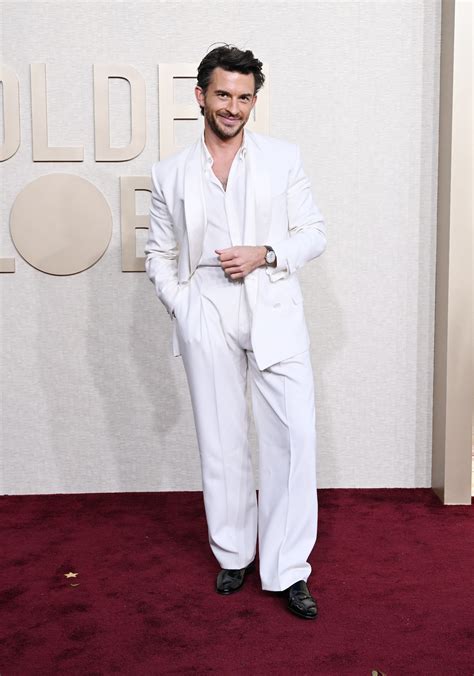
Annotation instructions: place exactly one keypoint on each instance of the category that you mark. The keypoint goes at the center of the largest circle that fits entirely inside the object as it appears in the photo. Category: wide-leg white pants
(213, 329)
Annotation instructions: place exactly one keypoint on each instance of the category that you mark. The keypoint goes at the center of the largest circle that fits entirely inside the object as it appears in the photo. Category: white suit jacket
(279, 211)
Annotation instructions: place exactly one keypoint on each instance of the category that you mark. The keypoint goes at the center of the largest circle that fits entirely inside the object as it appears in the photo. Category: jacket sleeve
(307, 230)
(162, 249)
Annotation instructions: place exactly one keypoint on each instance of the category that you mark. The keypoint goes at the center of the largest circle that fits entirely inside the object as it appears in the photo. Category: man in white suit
(232, 219)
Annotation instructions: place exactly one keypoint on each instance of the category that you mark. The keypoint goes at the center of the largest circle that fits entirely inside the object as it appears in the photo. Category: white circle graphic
(61, 224)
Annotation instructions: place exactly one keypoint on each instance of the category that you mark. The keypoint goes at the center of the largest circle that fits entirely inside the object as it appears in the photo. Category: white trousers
(213, 329)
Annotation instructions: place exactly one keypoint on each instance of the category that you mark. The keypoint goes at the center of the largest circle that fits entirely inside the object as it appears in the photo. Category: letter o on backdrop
(61, 224)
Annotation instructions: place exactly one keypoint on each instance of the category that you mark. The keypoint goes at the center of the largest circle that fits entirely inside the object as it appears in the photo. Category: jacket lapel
(258, 195)
(194, 205)
(257, 209)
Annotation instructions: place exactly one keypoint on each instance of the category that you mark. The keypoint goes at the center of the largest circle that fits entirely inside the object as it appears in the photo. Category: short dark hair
(232, 59)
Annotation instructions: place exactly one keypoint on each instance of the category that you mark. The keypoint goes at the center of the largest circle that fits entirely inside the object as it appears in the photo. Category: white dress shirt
(225, 209)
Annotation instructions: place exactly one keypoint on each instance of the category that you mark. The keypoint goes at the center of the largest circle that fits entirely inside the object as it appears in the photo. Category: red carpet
(392, 573)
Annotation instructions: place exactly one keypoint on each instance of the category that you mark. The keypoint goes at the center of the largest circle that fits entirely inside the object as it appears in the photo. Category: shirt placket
(231, 196)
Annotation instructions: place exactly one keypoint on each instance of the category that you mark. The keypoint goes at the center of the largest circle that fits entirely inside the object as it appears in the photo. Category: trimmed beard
(220, 133)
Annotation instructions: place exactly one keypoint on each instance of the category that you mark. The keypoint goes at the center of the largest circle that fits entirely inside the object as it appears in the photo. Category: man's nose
(233, 106)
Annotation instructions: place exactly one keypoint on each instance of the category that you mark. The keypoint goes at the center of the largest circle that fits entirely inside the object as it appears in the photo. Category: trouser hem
(285, 583)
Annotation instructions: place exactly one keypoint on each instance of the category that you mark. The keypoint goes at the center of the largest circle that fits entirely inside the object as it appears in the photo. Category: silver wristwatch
(270, 256)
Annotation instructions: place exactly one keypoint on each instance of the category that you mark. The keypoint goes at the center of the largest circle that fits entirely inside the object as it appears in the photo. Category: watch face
(270, 257)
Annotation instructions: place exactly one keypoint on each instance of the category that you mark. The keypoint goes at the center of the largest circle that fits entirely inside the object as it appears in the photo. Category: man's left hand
(239, 261)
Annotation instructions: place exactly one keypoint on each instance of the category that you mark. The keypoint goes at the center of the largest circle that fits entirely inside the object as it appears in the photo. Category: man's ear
(199, 94)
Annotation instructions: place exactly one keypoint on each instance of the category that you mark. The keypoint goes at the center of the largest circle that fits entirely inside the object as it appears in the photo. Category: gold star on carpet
(68, 575)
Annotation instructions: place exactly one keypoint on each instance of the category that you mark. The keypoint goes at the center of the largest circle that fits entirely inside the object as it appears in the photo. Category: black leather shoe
(300, 601)
(229, 581)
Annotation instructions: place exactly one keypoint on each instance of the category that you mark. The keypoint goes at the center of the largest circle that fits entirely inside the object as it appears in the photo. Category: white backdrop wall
(91, 398)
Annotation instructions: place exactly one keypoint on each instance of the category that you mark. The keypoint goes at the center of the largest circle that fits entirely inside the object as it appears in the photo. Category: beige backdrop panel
(91, 398)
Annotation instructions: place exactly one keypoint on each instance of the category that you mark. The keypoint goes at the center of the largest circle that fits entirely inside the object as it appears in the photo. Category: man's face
(227, 102)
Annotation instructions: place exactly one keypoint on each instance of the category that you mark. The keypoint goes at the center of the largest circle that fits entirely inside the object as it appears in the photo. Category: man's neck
(222, 147)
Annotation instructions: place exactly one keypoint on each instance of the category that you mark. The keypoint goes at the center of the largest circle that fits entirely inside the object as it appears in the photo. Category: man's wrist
(270, 256)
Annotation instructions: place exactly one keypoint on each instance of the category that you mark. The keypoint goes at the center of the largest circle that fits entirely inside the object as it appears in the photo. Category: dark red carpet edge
(392, 573)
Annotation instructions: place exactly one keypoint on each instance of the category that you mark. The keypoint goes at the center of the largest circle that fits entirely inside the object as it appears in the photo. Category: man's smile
(229, 120)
